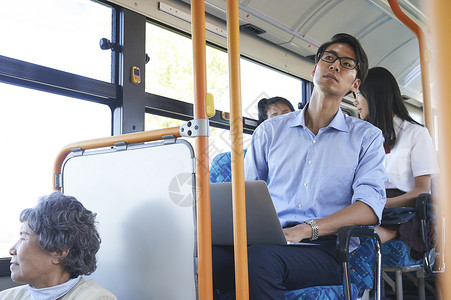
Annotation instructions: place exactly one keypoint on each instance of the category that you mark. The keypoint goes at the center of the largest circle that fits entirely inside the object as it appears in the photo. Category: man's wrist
(315, 229)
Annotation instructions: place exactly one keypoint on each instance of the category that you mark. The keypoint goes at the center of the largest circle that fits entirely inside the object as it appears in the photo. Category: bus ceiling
(301, 29)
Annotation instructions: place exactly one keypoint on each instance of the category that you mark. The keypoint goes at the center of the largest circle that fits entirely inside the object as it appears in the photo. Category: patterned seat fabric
(395, 253)
(332, 292)
(221, 167)
(362, 262)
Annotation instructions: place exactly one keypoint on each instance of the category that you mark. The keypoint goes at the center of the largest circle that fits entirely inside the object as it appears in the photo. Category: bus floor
(410, 290)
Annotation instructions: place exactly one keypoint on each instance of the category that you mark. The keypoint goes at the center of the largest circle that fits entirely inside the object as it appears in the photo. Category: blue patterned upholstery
(395, 253)
(332, 292)
(221, 167)
(362, 263)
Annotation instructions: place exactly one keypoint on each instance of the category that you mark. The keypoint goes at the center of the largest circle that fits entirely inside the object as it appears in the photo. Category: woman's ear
(58, 255)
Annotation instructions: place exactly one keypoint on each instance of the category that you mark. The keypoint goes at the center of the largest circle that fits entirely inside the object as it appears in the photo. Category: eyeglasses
(345, 62)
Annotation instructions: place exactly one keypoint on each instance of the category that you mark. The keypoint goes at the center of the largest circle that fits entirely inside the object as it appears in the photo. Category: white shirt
(413, 155)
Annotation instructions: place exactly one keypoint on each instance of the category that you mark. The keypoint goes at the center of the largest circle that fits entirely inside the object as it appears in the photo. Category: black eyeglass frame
(320, 56)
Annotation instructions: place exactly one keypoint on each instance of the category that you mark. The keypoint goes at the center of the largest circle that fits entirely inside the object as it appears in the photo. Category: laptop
(263, 225)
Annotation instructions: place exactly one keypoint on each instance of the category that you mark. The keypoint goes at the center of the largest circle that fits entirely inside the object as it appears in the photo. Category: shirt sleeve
(255, 162)
(423, 156)
(370, 176)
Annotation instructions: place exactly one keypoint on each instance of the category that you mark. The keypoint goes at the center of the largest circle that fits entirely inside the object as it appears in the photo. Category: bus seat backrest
(221, 167)
(144, 200)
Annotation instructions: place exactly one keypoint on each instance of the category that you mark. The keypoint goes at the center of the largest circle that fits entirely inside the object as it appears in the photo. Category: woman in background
(411, 158)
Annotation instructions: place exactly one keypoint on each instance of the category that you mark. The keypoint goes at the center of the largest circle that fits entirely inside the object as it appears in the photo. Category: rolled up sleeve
(370, 176)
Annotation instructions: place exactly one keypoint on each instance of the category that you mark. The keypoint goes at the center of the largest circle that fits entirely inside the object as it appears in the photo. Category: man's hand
(298, 233)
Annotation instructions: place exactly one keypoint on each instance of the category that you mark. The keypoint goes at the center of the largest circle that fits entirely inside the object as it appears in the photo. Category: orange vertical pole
(236, 131)
(424, 57)
(441, 23)
(201, 150)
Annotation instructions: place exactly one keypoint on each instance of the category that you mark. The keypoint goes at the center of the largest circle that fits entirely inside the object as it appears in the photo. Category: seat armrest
(421, 205)
(344, 237)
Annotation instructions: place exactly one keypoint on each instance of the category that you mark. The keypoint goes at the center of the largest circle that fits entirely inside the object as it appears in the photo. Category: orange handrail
(442, 78)
(425, 82)
(130, 138)
(236, 132)
(201, 148)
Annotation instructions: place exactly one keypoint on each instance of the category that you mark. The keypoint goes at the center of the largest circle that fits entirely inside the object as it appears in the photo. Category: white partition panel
(143, 197)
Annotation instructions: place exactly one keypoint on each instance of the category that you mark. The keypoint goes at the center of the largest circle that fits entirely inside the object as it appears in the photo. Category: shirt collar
(338, 122)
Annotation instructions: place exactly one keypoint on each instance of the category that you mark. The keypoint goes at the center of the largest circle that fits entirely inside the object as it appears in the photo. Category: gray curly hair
(62, 223)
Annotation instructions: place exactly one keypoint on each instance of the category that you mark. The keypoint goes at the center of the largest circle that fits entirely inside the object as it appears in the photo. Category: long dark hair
(384, 99)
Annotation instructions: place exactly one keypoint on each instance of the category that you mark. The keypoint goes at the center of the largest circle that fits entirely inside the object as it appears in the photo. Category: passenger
(272, 107)
(58, 243)
(324, 171)
(411, 159)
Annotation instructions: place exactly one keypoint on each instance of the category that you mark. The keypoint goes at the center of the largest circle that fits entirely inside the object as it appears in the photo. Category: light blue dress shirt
(310, 177)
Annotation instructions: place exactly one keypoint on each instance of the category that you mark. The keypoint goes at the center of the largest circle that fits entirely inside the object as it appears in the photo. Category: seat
(138, 189)
(361, 268)
(398, 261)
(221, 167)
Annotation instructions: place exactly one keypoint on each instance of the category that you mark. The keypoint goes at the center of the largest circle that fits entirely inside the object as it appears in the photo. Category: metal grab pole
(425, 81)
(201, 149)
(236, 132)
(442, 78)
(130, 138)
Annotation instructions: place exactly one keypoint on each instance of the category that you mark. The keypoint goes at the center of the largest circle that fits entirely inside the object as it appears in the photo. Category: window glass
(35, 127)
(259, 82)
(58, 34)
(220, 141)
(170, 73)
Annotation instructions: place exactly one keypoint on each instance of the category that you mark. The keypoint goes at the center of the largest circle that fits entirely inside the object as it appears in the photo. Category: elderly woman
(58, 243)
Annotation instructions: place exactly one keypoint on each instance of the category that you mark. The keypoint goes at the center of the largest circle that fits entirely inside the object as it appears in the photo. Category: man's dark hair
(265, 103)
(360, 55)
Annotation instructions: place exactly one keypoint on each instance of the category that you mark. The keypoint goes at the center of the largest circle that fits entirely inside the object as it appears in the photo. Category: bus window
(169, 74)
(35, 126)
(62, 35)
(219, 141)
(153, 122)
(258, 82)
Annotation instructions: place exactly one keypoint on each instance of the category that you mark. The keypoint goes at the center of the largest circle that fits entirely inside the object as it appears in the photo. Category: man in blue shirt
(324, 171)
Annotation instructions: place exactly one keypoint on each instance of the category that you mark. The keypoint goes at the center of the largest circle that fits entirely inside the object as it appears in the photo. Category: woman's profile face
(277, 109)
(362, 105)
(30, 263)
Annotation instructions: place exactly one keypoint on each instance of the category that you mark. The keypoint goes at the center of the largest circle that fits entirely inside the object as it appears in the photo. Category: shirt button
(305, 183)
(314, 141)
(309, 162)
(299, 205)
